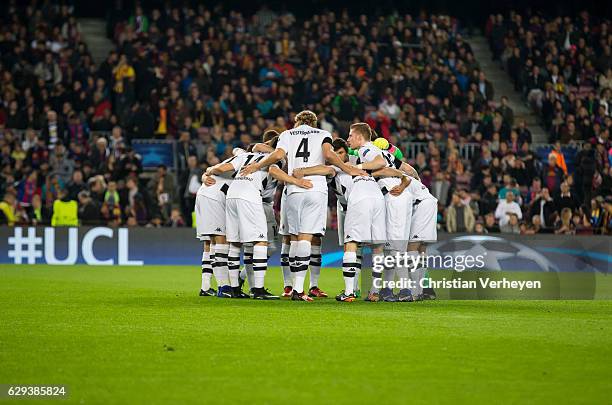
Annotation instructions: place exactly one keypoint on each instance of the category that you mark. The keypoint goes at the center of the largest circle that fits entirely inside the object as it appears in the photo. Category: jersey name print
(303, 147)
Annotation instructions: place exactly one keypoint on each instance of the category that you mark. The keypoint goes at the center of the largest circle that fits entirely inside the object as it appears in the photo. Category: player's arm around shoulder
(280, 175)
(388, 172)
(399, 189)
(319, 170)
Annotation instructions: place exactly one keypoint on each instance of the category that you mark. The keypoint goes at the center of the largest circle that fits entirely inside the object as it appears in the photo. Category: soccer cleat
(345, 298)
(296, 296)
(263, 294)
(405, 295)
(224, 292)
(386, 294)
(287, 292)
(208, 293)
(429, 293)
(357, 293)
(237, 293)
(418, 297)
(372, 297)
(316, 292)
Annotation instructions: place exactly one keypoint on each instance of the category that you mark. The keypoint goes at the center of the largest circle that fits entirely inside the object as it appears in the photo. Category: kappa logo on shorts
(218, 230)
(415, 237)
(348, 236)
(261, 235)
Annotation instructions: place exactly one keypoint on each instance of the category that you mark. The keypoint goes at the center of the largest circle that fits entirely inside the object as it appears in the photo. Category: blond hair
(364, 129)
(306, 117)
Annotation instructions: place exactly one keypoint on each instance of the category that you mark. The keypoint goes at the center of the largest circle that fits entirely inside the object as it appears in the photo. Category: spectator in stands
(65, 210)
(506, 207)
(89, 209)
(512, 225)
(459, 216)
(8, 214)
(564, 224)
(543, 207)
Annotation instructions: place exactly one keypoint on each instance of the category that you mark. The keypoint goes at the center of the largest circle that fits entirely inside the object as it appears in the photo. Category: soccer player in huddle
(365, 212)
(210, 226)
(246, 219)
(398, 206)
(304, 146)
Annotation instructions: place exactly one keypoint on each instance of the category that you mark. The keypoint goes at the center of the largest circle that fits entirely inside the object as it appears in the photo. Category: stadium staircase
(94, 34)
(503, 87)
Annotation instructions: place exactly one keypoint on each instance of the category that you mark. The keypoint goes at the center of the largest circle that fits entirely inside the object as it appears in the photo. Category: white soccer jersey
(249, 188)
(368, 152)
(355, 189)
(218, 190)
(303, 146)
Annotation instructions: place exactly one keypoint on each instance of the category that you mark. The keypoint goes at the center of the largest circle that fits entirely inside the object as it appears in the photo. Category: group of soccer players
(381, 203)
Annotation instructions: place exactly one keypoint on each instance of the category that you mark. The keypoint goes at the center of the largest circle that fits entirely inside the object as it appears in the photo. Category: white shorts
(397, 220)
(307, 213)
(283, 228)
(365, 222)
(246, 221)
(210, 216)
(340, 215)
(424, 219)
(271, 222)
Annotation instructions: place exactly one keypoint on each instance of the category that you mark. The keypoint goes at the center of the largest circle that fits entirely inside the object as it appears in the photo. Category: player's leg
(298, 206)
(395, 224)
(358, 271)
(377, 271)
(246, 274)
(229, 229)
(220, 270)
(260, 266)
(423, 231)
(283, 230)
(349, 268)
(315, 269)
(207, 272)
(286, 266)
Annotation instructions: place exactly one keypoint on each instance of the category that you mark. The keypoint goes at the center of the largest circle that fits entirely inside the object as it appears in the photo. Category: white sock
(220, 264)
(357, 270)
(206, 271)
(287, 276)
(389, 272)
(376, 274)
(233, 265)
(315, 265)
(349, 267)
(248, 265)
(300, 266)
(260, 265)
(416, 272)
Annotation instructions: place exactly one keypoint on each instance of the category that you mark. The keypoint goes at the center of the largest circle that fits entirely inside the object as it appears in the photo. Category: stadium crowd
(213, 80)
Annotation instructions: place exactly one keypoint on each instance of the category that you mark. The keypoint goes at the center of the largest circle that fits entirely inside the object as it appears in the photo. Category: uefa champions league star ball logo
(498, 254)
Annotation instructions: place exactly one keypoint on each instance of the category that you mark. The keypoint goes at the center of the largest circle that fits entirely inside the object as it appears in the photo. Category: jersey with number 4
(304, 148)
(251, 187)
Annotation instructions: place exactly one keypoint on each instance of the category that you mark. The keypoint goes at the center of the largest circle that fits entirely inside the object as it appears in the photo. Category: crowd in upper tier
(213, 79)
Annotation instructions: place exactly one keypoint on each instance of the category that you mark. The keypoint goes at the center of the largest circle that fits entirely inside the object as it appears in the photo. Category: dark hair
(269, 134)
(340, 143)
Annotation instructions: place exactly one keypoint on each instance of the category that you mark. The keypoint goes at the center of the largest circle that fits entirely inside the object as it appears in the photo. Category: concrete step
(503, 86)
(94, 34)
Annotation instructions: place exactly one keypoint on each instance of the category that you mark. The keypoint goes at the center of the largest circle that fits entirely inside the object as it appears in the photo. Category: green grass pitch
(142, 335)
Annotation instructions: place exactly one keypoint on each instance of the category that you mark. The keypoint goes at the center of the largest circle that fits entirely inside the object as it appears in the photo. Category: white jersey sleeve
(218, 190)
(418, 190)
